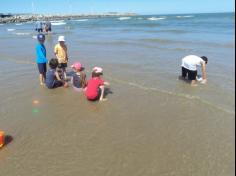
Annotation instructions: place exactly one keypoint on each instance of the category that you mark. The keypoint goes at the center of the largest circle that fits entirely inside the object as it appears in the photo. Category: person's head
(61, 40)
(53, 63)
(77, 66)
(41, 38)
(205, 59)
(97, 72)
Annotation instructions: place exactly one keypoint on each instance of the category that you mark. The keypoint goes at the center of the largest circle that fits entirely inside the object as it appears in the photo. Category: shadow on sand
(8, 139)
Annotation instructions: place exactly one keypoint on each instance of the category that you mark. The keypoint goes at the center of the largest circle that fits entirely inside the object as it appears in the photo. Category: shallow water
(152, 123)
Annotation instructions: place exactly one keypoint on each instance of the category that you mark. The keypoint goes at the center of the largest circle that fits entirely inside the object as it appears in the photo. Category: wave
(10, 30)
(81, 20)
(19, 24)
(186, 16)
(157, 40)
(175, 31)
(58, 23)
(22, 33)
(156, 19)
(124, 18)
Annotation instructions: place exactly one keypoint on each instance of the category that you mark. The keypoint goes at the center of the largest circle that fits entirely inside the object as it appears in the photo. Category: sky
(101, 6)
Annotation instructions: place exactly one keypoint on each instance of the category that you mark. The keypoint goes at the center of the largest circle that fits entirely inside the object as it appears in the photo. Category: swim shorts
(190, 73)
(42, 67)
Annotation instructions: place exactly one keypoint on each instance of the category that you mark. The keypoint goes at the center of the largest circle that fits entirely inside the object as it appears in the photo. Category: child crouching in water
(96, 86)
(78, 78)
(53, 79)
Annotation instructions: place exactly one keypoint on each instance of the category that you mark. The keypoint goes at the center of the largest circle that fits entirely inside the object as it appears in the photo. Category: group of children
(55, 77)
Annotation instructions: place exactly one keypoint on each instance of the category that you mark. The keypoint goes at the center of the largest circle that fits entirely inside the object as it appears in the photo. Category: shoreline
(32, 18)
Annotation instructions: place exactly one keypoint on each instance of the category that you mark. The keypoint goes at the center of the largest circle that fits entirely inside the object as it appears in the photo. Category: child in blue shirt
(41, 59)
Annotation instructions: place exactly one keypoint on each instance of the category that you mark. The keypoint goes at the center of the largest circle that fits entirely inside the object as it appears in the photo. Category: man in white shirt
(189, 68)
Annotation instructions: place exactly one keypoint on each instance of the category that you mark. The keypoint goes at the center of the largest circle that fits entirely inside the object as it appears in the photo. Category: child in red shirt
(96, 86)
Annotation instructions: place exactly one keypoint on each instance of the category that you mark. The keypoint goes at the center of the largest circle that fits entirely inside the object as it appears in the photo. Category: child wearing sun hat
(61, 54)
(78, 78)
(96, 85)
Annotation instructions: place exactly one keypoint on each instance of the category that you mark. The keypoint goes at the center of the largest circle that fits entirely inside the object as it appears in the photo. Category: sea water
(152, 124)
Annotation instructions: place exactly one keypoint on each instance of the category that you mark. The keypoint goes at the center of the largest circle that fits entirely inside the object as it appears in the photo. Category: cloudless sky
(99, 6)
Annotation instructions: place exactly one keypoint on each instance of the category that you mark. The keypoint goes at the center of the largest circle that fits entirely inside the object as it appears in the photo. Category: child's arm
(58, 77)
(72, 80)
(106, 83)
(66, 51)
(55, 51)
(204, 75)
(102, 94)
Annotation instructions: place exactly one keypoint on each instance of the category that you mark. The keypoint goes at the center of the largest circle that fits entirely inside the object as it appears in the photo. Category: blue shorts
(42, 68)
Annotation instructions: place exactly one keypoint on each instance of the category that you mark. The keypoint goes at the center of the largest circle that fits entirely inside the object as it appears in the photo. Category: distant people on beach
(189, 69)
(48, 27)
(39, 26)
(60, 51)
(41, 58)
(96, 86)
(78, 77)
(53, 79)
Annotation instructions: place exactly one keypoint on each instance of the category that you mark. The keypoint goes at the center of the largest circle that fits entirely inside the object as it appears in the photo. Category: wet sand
(136, 132)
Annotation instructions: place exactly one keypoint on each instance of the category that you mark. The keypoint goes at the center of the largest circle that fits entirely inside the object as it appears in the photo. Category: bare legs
(42, 78)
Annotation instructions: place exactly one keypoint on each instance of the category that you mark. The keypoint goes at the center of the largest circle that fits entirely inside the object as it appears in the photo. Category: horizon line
(101, 13)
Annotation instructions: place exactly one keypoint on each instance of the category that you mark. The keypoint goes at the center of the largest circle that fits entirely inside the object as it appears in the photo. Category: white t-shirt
(191, 62)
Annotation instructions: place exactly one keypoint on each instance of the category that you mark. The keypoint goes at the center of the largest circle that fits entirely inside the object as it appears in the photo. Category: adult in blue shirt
(41, 59)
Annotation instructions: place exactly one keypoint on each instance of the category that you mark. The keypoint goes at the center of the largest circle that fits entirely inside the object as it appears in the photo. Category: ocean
(152, 124)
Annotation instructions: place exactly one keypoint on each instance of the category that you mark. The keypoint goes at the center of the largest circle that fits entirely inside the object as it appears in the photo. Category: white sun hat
(97, 70)
(61, 39)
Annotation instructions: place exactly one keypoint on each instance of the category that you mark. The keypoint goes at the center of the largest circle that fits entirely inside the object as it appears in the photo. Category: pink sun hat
(77, 66)
(97, 70)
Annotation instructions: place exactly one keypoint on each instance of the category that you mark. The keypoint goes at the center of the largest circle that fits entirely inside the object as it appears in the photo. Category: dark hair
(53, 63)
(205, 59)
(96, 74)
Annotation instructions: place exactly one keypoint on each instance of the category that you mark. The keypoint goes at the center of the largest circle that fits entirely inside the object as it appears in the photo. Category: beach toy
(2, 138)
(35, 102)
(35, 110)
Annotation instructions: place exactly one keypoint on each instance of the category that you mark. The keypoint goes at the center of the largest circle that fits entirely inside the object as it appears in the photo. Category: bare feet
(102, 100)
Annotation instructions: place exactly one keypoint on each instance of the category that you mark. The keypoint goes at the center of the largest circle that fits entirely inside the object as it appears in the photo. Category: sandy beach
(152, 124)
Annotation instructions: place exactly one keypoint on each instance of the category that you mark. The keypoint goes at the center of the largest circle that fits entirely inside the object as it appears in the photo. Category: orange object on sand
(2, 138)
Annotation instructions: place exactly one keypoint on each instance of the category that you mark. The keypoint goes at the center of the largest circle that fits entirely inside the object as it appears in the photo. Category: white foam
(58, 23)
(200, 79)
(156, 19)
(10, 30)
(124, 18)
(19, 24)
(186, 16)
(22, 33)
(81, 20)
(34, 37)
